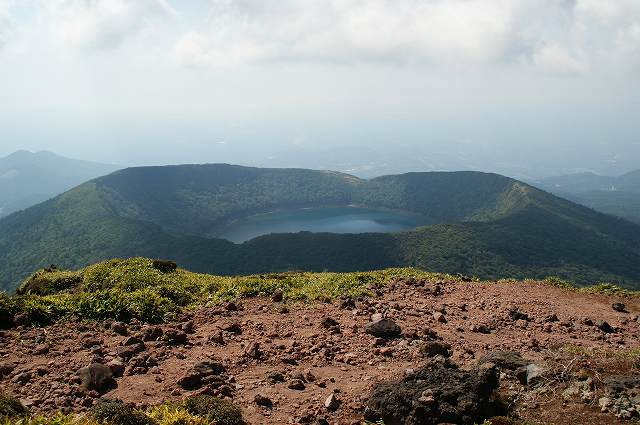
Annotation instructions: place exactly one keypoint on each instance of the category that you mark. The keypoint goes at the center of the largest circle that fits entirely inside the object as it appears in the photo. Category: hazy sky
(548, 85)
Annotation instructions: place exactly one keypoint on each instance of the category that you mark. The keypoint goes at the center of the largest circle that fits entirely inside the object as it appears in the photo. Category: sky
(526, 88)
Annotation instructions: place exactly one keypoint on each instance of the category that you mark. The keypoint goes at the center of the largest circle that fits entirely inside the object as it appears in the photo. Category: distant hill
(28, 178)
(618, 196)
(480, 224)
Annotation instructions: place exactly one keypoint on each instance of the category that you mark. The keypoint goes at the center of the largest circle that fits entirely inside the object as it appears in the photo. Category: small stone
(434, 348)
(620, 307)
(234, 328)
(332, 402)
(329, 322)
(152, 333)
(187, 326)
(132, 341)
(296, 384)
(117, 367)
(439, 317)
(383, 328)
(604, 326)
(41, 349)
(253, 350)
(175, 336)
(274, 377)
(427, 397)
(277, 295)
(119, 327)
(261, 400)
(216, 338)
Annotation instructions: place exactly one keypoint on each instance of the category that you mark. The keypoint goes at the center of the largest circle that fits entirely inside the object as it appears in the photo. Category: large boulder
(96, 377)
(437, 393)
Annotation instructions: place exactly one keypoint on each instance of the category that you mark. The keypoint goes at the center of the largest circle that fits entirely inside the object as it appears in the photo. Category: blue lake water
(325, 219)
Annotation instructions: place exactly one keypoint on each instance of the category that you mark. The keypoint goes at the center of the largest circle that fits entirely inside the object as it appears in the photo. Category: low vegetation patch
(154, 291)
(217, 410)
(138, 288)
(11, 408)
(198, 410)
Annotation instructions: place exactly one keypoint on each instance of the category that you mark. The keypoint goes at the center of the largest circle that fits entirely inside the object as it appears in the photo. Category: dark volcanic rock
(233, 328)
(604, 327)
(437, 393)
(383, 328)
(164, 266)
(296, 384)
(197, 376)
(435, 348)
(119, 328)
(128, 351)
(152, 333)
(515, 314)
(262, 400)
(96, 377)
(275, 376)
(175, 337)
(277, 295)
(619, 307)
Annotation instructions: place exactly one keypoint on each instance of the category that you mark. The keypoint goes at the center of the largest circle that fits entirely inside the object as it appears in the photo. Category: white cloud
(554, 59)
(346, 31)
(551, 35)
(6, 22)
(102, 24)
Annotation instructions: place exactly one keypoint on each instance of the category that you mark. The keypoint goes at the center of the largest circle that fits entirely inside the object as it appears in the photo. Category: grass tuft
(11, 407)
(221, 412)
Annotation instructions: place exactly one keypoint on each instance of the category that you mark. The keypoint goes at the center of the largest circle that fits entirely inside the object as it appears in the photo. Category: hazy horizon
(369, 87)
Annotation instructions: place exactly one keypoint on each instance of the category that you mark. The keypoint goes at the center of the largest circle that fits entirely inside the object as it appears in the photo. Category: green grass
(198, 410)
(132, 288)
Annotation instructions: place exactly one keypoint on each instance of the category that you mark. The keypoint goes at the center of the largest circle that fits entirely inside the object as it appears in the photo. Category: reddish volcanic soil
(40, 364)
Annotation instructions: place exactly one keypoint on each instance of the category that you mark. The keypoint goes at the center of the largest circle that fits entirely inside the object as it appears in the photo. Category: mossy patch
(221, 412)
(115, 412)
(11, 407)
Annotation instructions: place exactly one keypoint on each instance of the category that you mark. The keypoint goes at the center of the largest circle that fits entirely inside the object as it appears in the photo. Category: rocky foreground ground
(417, 352)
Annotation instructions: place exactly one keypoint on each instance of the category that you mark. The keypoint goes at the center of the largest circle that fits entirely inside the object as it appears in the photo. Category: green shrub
(10, 407)
(115, 412)
(222, 412)
(607, 289)
(558, 282)
(169, 414)
(48, 282)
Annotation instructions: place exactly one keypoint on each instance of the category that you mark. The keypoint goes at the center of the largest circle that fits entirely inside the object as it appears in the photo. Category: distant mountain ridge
(482, 224)
(587, 182)
(619, 196)
(28, 178)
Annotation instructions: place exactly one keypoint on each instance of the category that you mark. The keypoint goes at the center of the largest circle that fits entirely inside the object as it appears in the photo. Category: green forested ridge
(482, 224)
